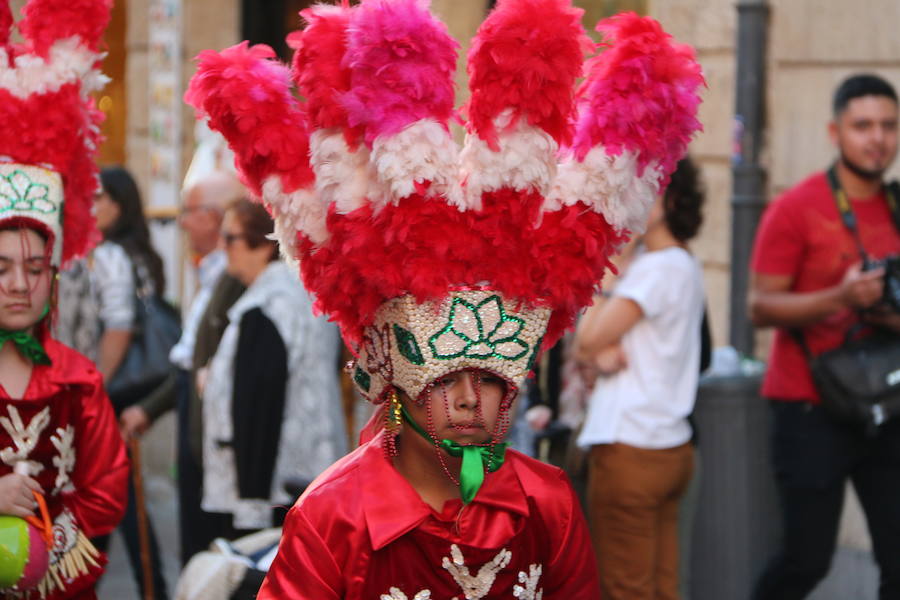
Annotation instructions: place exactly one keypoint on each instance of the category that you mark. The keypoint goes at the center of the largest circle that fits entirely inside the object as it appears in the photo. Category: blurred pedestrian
(63, 466)
(124, 263)
(270, 399)
(645, 343)
(808, 282)
(203, 206)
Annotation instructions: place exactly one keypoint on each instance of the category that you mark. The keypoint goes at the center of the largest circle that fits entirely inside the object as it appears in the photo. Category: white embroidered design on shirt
(65, 462)
(396, 594)
(475, 587)
(530, 591)
(24, 438)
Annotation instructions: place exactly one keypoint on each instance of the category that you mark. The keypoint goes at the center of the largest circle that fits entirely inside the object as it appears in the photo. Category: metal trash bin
(736, 526)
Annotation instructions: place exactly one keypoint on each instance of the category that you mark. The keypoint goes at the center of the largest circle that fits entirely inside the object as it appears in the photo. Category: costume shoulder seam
(335, 474)
(86, 369)
(541, 468)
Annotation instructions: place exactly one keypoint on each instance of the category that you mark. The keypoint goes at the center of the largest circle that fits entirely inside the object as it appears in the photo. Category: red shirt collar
(68, 369)
(394, 508)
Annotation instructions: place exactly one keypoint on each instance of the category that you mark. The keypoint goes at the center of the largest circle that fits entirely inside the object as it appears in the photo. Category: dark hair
(856, 86)
(683, 201)
(256, 223)
(130, 230)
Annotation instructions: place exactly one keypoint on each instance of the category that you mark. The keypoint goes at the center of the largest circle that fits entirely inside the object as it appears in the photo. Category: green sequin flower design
(19, 192)
(479, 331)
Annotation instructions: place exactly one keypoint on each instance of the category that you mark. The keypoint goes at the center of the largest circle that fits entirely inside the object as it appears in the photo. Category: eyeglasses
(187, 210)
(230, 238)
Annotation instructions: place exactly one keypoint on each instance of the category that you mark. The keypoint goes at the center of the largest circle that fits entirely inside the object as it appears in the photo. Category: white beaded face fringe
(410, 344)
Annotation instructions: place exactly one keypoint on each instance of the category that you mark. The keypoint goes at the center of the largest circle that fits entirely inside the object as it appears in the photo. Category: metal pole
(748, 191)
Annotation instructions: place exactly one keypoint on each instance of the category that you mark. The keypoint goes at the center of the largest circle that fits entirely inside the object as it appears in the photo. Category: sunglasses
(230, 238)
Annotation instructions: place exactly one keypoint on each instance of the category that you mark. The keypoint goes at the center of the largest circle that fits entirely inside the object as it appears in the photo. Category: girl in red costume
(448, 271)
(62, 458)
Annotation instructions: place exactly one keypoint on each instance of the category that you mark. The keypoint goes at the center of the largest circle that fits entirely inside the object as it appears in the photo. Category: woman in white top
(645, 344)
(270, 401)
(123, 263)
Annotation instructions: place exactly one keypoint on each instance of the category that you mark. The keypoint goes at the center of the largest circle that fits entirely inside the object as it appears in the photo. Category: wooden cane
(134, 445)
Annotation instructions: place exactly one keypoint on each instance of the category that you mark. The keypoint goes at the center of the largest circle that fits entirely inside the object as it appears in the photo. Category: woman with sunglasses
(270, 409)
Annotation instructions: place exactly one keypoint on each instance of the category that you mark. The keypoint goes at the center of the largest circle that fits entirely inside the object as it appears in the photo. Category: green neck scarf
(475, 459)
(27, 344)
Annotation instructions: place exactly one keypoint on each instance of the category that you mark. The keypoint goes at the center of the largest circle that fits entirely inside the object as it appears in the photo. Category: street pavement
(158, 453)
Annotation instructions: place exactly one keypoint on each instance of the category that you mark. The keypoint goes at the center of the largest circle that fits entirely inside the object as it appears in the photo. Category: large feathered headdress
(434, 260)
(49, 123)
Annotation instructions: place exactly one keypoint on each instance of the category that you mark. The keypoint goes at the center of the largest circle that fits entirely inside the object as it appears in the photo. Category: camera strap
(846, 210)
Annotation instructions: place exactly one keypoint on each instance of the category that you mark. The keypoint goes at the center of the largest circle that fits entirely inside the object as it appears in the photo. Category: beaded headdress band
(50, 124)
(434, 260)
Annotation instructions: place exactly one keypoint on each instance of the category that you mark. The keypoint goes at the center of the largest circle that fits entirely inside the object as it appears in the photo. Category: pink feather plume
(641, 94)
(402, 61)
(246, 94)
(526, 57)
(47, 21)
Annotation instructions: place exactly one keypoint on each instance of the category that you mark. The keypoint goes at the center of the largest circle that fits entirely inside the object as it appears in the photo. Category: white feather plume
(68, 61)
(300, 211)
(343, 178)
(423, 152)
(609, 185)
(526, 160)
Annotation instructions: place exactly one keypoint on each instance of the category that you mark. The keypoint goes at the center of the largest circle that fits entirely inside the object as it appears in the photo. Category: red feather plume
(317, 69)
(6, 23)
(526, 57)
(246, 95)
(44, 22)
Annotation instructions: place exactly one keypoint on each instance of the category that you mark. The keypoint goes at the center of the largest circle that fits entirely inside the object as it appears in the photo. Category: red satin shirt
(362, 532)
(65, 428)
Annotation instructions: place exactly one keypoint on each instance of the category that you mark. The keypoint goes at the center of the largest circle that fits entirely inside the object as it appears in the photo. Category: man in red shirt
(808, 276)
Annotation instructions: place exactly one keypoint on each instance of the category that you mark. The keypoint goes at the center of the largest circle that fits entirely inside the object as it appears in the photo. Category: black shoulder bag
(859, 382)
(146, 363)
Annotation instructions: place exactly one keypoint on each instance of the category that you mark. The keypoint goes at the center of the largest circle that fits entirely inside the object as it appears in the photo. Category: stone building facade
(812, 45)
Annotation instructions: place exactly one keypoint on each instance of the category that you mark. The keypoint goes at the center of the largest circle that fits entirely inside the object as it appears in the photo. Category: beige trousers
(633, 497)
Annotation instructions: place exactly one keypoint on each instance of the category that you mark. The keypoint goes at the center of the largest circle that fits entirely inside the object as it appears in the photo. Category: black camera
(891, 266)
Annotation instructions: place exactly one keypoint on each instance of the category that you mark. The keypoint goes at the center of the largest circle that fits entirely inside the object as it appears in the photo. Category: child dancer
(448, 272)
(62, 459)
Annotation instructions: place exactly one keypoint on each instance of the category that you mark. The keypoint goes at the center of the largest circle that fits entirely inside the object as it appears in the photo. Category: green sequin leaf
(534, 355)
(362, 379)
(408, 346)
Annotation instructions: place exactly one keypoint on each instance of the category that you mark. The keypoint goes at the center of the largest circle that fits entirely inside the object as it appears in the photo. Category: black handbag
(146, 364)
(859, 382)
